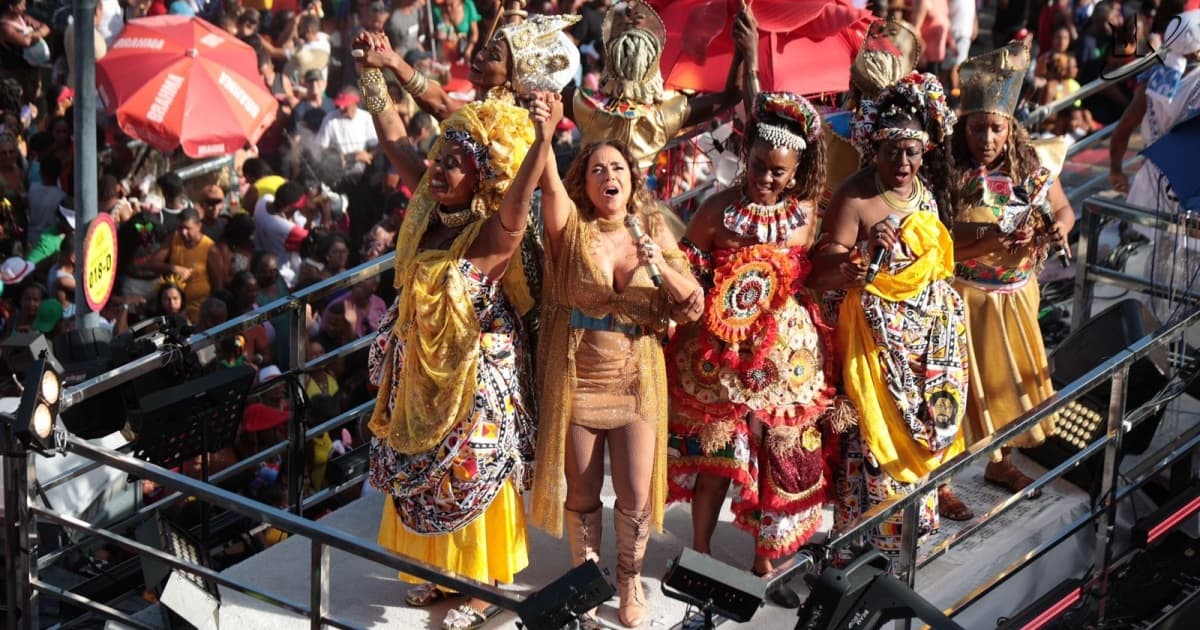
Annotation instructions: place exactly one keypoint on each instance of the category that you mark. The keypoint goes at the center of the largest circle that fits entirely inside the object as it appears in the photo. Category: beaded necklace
(765, 223)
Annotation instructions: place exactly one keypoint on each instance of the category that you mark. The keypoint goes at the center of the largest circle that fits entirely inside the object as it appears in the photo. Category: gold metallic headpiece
(543, 57)
(991, 82)
(890, 52)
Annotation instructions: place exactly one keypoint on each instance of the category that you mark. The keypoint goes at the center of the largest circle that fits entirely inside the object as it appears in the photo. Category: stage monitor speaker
(345, 467)
(1101, 338)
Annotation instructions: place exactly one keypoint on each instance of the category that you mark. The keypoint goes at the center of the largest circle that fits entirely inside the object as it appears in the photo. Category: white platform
(369, 595)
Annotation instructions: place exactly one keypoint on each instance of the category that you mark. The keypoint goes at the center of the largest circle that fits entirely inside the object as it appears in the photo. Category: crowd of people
(827, 327)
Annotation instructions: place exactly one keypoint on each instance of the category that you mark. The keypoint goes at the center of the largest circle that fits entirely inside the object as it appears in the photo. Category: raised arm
(393, 137)
(373, 51)
(745, 36)
(1119, 142)
(503, 232)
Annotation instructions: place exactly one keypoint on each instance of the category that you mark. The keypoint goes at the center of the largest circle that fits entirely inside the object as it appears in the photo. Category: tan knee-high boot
(633, 530)
(583, 535)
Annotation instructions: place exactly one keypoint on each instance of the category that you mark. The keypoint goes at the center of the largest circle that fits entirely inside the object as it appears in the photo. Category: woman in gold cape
(901, 338)
(452, 428)
(1009, 207)
(600, 361)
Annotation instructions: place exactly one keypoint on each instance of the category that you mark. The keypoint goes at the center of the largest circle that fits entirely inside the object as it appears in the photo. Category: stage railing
(1120, 421)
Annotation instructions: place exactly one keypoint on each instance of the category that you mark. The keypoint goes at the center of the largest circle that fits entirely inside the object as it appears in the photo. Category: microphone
(1064, 257)
(880, 254)
(634, 224)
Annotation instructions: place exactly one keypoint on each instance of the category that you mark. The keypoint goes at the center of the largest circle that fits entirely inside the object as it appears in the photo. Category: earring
(791, 184)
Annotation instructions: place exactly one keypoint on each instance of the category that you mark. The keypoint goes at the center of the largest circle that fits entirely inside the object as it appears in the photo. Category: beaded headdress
(991, 82)
(791, 107)
(543, 57)
(921, 97)
(890, 51)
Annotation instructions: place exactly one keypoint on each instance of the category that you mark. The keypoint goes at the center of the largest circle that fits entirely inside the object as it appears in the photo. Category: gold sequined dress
(600, 362)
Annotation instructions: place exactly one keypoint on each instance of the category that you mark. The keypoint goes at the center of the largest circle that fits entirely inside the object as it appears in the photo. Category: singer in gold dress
(1009, 207)
(751, 382)
(901, 336)
(600, 361)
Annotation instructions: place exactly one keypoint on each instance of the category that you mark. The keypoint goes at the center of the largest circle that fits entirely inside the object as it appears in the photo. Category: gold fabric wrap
(576, 283)
(436, 322)
(646, 132)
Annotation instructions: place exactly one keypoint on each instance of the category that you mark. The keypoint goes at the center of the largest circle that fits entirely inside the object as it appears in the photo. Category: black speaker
(19, 350)
(86, 354)
(1098, 340)
(345, 467)
(701, 579)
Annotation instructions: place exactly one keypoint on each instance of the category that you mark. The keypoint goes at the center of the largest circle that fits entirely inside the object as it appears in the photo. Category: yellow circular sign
(100, 261)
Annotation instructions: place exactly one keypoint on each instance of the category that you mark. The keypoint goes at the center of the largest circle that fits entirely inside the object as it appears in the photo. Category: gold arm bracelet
(376, 99)
(416, 85)
(517, 232)
(516, 12)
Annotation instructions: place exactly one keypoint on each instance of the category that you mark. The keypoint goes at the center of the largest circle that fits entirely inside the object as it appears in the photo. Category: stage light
(864, 596)
(36, 416)
(563, 602)
(712, 586)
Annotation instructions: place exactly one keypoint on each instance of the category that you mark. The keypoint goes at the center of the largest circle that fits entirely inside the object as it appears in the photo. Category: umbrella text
(230, 85)
(163, 99)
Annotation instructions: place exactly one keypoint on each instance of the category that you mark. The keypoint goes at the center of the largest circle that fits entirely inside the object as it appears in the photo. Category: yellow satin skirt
(490, 549)
(1009, 373)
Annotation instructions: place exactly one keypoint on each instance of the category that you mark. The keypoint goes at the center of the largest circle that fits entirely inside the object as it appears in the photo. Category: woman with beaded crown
(631, 105)
(1009, 208)
(752, 379)
(600, 361)
(453, 425)
(901, 338)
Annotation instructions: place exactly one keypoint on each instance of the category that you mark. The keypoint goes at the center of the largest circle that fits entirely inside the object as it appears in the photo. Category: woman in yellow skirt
(452, 426)
(1009, 207)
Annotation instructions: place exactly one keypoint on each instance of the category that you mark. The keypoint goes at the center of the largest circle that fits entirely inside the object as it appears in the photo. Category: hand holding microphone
(883, 234)
(647, 249)
(1056, 247)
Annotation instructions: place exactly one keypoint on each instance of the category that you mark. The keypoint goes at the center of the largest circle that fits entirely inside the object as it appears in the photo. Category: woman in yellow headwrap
(452, 426)
(901, 336)
(1009, 207)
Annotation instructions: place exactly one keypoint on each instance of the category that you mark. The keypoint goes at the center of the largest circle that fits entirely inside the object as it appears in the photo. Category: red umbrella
(805, 46)
(174, 80)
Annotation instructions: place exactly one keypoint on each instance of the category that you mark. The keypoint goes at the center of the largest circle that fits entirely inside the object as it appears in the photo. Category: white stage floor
(369, 595)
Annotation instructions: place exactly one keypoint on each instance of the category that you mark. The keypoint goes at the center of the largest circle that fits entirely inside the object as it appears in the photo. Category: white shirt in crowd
(347, 135)
(280, 236)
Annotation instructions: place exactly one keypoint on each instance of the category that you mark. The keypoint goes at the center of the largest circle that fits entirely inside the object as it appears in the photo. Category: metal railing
(1120, 421)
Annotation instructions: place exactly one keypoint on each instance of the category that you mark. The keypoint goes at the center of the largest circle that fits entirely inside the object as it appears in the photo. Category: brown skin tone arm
(377, 53)
(389, 128)
(1118, 143)
(502, 233)
(837, 263)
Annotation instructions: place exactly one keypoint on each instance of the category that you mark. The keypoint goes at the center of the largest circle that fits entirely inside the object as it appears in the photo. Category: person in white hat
(14, 270)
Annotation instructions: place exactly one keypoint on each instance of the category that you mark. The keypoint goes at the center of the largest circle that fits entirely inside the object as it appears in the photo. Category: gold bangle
(376, 99)
(982, 231)
(516, 12)
(416, 84)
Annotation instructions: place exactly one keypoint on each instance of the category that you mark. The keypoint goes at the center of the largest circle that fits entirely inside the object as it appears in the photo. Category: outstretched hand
(374, 50)
(546, 110)
(745, 31)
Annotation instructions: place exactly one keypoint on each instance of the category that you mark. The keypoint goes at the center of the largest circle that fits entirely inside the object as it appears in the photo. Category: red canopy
(805, 46)
(180, 81)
